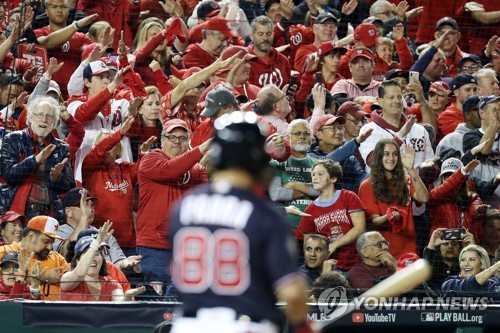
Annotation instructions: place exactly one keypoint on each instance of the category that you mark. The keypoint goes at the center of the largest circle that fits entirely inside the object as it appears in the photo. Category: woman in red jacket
(388, 194)
(112, 182)
(452, 204)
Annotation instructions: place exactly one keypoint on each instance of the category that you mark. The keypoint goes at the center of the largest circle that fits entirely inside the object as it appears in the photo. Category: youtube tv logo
(358, 317)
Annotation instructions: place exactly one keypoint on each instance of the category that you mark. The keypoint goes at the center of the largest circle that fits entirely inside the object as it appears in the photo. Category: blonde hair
(103, 133)
(142, 37)
(96, 28)
(481, 252)
(151, 90)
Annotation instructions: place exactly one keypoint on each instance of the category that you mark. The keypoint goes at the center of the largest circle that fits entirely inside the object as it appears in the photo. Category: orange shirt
(51, 292)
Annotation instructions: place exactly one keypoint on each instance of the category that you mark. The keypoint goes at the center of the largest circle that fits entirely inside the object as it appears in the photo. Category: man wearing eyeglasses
(450, 47)
(329, 133)
(376, 261)
(274, 105)
(164, 176)
(35, 164)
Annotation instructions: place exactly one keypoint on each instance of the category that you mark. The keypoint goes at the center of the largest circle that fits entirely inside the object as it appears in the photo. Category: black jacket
(18, 163)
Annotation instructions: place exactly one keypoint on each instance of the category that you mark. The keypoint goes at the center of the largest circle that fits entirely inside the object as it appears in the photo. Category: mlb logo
(427, 316)
(358, 317)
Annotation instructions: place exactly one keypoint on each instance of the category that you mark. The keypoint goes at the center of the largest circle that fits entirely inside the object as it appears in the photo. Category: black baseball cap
(485, 100)
(269, 4)
(470, 104)
(462, 80)
(72, 198)
(11, 256)
(323, 17)
(470, 57)
(391, 74)
(447, 21)
(208, 9)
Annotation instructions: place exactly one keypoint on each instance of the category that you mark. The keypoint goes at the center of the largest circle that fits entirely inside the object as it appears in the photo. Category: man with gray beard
(35, 164)
(291, 184)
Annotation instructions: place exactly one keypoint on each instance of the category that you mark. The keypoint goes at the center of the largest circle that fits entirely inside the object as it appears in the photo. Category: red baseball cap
(12, 216)
(352, 108)
(175, 123)
(361, 52)
(112, 64)
(326, 119)
(367, 34)
(327, 47)
(406, 260)
(46, 225)
(440, 87)
(219, 23)
(233, 49)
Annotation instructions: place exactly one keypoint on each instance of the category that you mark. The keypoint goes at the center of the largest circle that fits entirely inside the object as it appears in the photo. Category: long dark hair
(102, 272)
(380, 183)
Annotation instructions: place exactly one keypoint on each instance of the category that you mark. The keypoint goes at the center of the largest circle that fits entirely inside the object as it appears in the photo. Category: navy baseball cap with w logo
(73, 197)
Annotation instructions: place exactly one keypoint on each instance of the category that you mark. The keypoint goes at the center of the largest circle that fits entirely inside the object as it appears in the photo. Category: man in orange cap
(37, 238)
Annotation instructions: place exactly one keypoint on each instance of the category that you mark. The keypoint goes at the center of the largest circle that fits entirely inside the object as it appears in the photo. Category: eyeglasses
(42, 116)
(9, 268)
(379, 244)
(298, 133)
(333, 128)
(220, 36)
(285, 96)
(470, 68)
(451, 33)
(51, 6)
(172, 138)
(386, 13)
(361, 121)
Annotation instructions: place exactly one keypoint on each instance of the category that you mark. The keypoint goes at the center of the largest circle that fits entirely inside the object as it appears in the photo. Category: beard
(301, 147)
(42, 255)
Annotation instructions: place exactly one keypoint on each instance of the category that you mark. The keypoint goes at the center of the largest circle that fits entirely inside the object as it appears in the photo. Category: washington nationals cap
(218, 23)
(391, 74)
(352, 108)
(326, 119)
(406, 260)
(323, 17)
(74, 196)
(361, 52)
(207, 9)
(367, 34)
(327, 47)
(471, 57)
(95, 68)
(462, 80)
(487, 100)
(82, 244)
(12, 216)
(440, 87)
(216, 98)
(11, 256)
(233, 49)
(447, 21)
(46, 225)
(471, 103)
(170, 125)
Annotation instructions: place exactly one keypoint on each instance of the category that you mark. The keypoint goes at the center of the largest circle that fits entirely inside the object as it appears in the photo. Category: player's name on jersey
(216, 209)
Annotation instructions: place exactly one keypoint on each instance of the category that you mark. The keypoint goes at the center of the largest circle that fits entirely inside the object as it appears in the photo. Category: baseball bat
(400, 282)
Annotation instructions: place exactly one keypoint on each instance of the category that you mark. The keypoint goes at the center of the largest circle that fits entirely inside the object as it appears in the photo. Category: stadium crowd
(383, 120)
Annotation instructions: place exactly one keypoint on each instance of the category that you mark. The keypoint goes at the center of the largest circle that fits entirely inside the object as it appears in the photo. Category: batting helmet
(239, 143)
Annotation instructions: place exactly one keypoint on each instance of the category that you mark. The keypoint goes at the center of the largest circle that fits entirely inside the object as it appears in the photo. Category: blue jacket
(18, 163)
(456, 285)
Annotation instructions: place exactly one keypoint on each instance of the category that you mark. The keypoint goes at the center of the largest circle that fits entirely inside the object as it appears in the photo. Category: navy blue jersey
(231, 249)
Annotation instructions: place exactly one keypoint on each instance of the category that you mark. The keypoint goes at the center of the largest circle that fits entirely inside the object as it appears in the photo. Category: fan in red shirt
(66, 45)
(113, 182)
(325, 30)
(216, 34)
(336, 214)
(270, 66)
(328, 61)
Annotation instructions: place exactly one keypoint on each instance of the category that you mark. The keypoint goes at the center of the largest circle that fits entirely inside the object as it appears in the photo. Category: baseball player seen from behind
(233, 253)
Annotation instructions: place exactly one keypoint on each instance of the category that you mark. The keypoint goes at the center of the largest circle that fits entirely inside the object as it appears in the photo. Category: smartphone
(319, 77)
(293, 81)
(414, 77)
(121, 35)
(453, 234)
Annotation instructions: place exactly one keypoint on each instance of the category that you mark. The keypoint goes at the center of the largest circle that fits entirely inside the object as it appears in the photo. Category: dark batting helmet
(239, 143)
